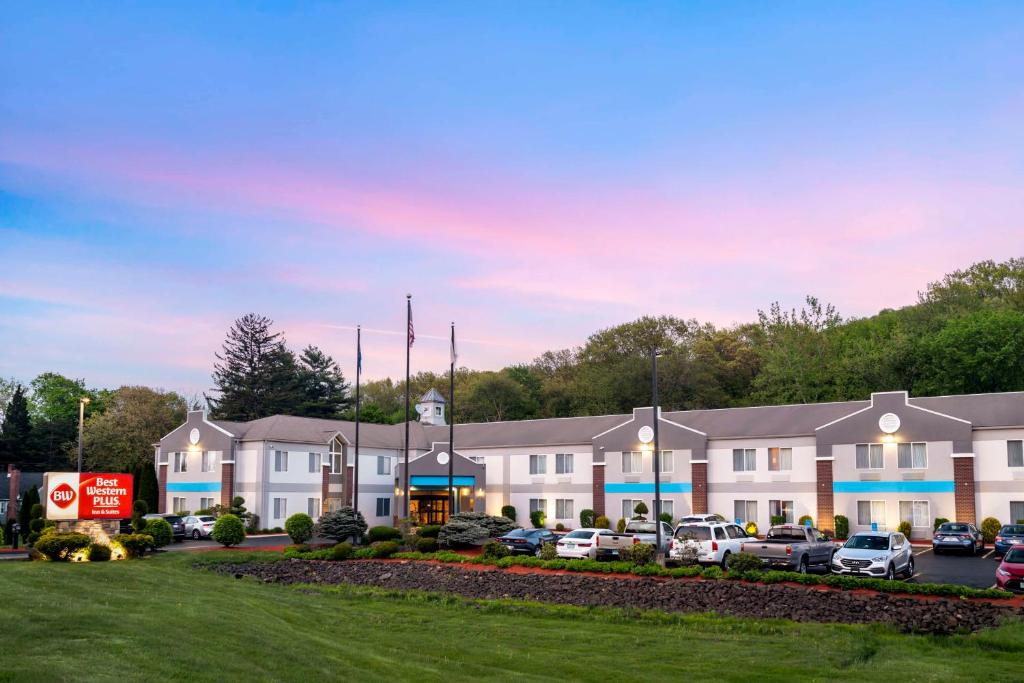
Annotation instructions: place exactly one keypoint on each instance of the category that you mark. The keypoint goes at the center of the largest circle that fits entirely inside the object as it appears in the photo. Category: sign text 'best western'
(89, 495)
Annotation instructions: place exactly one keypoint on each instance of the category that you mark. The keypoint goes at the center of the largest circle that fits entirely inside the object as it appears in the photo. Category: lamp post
(657, 455)
(81, 421)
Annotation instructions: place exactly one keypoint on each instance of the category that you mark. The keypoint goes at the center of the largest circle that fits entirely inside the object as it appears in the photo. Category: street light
(81, 420)
(657, 455)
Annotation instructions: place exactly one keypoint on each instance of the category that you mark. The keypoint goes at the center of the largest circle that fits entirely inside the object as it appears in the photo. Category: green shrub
(842, 524)
(777, 519)
(299, 527)
(382, 549)
(559, 527)
(638, 554)
(939, 521)
(99, 552)
(744, 562)
(228, 530)
(640, 509)
(714, 572)
(60, 547)
(494, 525)
(587, 519)
(602, 522)
(427, 545)
(342, 524)
(495, 550)
(620, 526)
(508, 512)
(548, 551)
(134, 545)
(429, 531)
(990, 526)
(905, 528)
(804, 519)
(37, 525)
(342, 551)
(139, 510)
(160, 530)
(460, 533)
(537, 519)
(665, 517)
(383, 533)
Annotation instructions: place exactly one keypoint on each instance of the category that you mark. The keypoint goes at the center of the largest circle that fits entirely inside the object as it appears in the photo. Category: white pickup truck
(593, 544)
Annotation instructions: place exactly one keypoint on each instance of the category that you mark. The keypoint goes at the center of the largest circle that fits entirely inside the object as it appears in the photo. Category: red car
(1010, 575)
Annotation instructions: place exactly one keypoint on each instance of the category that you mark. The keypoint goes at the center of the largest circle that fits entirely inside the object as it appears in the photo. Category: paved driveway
(977, 572)
(250, 542)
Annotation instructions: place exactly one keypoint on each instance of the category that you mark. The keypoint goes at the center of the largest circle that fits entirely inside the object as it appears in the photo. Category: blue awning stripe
(941, 486)
(194, 487)
(423, 480)
(680, 487)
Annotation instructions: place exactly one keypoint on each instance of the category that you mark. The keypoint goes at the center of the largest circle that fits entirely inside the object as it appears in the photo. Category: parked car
(713, 542)
(527, 541)
(701, 518)
(793, 548)
(1009, 536)
(958, 536)
(200, 526)
(581, 543)
(875, 553)
(1010, 574)
(646, 532)
(176, 522)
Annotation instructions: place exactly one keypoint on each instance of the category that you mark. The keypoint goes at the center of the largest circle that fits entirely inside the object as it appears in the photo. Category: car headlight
(1002, 572)
(880, 558)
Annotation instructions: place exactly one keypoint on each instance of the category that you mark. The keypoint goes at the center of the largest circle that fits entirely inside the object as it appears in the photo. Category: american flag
(412, 332)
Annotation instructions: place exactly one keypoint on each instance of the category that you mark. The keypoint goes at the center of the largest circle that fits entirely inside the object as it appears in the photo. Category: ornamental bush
(139, 510)
(777, 520)
(602, 522)
(134, 545)
(426, 545)
(548, 551)
(990, 526)
(495, 550)
(744, 562)
(665, 517)
(640, 510)
(804, 519)
(638, 554)
(228, 530)
(342, 551)
(342, 524)
(383, 533)
(99, 552)
(939, 521)
(905, 528)
(537, 518)
(586, 519)
(60, 547)
(559, 527)
(429, 531)
(495, 526)
(713, 572)
(620, 526)
(751, 528)
(299, 527)
(842, 524)
(160, 530)
(383, 549)
(508, 512)
(458, 533)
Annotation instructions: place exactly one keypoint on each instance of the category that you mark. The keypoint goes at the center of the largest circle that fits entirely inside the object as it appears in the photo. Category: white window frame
(748, 459)
(667, 505)
(873, 448)
(181, 461)
(538, 464)
(777, 507)
(280, 461)
(206, 461)
(205, 503)
(631, 503)
(383, 507)
(178, 504)
(873, 506)
(747, 517)
(383, 465)
(913, 455)
(336, 460)
(632, 462)
(785, 459)
(539, 504)
(565, 508)
(1010, 454)
(280, 508)
(563, 463)
(313, 507)
(667, 462)
(1020, 509)
(315, 460)
(918, 518)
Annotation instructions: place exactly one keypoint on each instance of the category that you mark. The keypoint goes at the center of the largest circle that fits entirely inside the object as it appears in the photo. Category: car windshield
(206, 518)
(697, 533)
(787, 533)
(868, 543)
(954, 528)
(1013, 529)
(1015, 556)
(173, 519)
(516, 533)
(641, 528)
(579, 533)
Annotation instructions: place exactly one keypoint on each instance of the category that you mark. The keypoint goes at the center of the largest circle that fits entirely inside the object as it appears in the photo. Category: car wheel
(910, 567)
(890, 573)
(725, 559)
(802, 568)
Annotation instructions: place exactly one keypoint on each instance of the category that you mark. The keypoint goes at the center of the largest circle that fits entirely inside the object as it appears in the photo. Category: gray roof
(791, 420)
(432, 396)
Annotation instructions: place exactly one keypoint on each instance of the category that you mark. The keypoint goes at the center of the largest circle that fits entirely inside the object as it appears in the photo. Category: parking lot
(976, 572)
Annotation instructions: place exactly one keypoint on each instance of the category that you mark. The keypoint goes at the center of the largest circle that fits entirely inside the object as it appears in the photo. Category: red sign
(89, 495)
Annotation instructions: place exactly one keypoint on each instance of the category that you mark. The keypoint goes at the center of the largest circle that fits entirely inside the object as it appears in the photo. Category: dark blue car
(527, 541)
(1009, 536)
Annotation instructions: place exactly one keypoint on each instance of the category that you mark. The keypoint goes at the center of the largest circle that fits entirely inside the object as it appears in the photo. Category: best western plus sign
(88, 495)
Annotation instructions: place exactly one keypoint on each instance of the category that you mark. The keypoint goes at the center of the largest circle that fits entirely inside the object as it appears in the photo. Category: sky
(533, 172)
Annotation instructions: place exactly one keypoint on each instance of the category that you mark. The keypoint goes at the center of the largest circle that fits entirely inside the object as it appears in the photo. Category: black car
(176, 522)
(958, 536)
(1009, 536)
(527, 541)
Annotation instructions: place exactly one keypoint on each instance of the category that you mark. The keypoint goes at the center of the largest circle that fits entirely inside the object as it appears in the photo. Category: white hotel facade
(883, 460)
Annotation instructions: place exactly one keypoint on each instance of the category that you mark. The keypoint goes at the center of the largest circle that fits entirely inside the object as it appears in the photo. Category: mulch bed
(776, 601)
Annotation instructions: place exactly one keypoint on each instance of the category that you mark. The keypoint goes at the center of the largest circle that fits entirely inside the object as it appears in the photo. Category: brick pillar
(325, 487)
(826, 513)
(598, 490)
(14, 484)
(699, 481)
(162, 479)
(963, 480)
(227, 483)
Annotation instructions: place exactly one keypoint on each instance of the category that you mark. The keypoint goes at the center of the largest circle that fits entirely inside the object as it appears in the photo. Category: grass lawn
(160, 619)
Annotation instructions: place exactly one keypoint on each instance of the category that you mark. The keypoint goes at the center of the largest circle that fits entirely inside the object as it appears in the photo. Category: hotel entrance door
(429, 507)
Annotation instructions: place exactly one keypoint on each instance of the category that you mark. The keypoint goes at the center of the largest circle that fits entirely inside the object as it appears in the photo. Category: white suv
(713, 542)
(881, 554)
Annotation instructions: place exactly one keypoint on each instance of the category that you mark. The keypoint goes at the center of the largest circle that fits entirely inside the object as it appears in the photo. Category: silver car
(199, 526)
(878, 554)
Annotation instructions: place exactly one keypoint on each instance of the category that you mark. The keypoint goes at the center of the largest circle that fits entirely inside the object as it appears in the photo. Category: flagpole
(359, 368)
(408, 348)
(451, 430)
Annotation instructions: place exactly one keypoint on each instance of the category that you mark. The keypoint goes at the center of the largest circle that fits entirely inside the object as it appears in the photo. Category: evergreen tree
(16, 430)
(30, 498)
(256, 374)
(148, 487)
(324, 390)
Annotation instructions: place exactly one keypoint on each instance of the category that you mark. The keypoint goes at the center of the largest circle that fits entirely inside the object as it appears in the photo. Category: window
(912, 456)
(632, 462)
(629, 507)
(336, 463)
(538, 464)
(668, 462)
(871, 512)
(383, 507)
(780, 459)
(563, 463)
(280, 461)
(539, 504)
(205, 503)
(668, 507)
(563, 508)
(869, 456)
(915, 512)
(280, 508)
(1015, 453)
(744, 460)
(314, 463)
(1017, 512)
(781, 508)
(745, 510)
(207, 461)
(181, 462)
(383, 464)
(179, 505)
(313, 507)
(437, 410)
